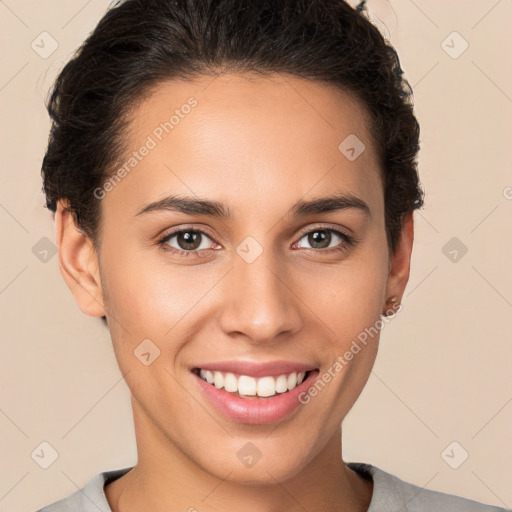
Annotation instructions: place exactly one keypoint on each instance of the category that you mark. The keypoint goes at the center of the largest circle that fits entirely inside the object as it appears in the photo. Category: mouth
(252, 387)
(253, 392)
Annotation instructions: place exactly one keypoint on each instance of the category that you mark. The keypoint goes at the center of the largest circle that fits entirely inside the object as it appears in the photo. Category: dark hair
(140, 43)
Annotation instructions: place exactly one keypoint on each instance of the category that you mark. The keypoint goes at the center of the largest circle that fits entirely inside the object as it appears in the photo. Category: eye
(191, 241)
(322, 237)
(185, 240)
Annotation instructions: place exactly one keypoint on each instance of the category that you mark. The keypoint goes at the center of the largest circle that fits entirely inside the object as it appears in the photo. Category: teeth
(218, 380)
(281, 384)
(266, 386)
(230, 383)
(247, 385)
(292, 381)
(250, 386)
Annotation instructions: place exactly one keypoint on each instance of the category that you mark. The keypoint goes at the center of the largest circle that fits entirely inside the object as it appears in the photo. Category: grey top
(390, 494)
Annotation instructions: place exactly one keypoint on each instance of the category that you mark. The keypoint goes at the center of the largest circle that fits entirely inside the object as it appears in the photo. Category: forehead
(258, 100)
(249, 136)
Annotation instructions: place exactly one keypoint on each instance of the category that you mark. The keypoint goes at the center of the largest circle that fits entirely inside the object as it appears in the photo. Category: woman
(234, 185)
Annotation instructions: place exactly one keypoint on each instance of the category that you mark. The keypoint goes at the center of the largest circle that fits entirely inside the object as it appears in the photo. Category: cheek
(149, 294)
(348, 298)
(349, 304)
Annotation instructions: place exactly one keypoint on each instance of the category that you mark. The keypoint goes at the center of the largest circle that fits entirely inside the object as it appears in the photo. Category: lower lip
(255, 411)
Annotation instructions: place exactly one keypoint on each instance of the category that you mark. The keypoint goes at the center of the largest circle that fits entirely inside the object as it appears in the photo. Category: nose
(260, 303)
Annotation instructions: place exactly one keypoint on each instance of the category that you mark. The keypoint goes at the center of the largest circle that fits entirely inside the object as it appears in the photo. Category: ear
(400, 262)
(78, 262)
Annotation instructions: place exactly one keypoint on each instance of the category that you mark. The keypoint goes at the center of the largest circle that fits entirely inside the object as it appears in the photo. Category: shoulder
(391, 494)
(89, 498)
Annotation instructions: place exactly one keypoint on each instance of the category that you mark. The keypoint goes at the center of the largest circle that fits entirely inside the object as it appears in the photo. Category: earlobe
(400, 263)
(78, 263)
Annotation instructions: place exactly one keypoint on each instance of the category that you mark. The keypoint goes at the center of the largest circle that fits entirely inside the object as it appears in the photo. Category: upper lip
(257, 369)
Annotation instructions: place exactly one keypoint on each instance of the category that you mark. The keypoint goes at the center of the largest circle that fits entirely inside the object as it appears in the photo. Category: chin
(279, 465)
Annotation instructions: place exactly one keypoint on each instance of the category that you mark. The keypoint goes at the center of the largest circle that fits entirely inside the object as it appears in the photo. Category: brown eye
(188, 240)
(322, 238)
(319, 239)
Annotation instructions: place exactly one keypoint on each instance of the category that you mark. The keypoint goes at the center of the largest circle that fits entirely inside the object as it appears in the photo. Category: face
(221, 252)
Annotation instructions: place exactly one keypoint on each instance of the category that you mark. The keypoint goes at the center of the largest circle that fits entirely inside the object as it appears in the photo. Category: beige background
(443, 370)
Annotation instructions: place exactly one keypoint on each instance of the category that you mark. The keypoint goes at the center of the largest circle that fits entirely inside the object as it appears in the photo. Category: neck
(166, 479)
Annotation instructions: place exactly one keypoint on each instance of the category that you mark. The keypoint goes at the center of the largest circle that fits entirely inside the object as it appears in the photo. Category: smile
(254, 393)
(247, 386)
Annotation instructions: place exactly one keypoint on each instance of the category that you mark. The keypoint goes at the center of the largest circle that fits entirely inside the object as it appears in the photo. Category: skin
(257, 145)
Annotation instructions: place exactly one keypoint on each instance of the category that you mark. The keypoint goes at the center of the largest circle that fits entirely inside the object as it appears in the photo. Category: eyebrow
(302, 208)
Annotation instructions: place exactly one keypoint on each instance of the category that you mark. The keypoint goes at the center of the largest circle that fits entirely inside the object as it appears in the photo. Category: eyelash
(348, 240)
